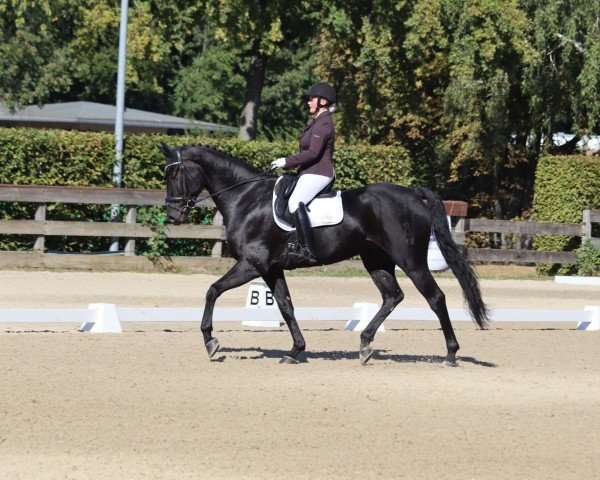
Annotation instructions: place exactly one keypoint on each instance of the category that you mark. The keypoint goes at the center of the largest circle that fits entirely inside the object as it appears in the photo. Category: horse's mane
(226, 156)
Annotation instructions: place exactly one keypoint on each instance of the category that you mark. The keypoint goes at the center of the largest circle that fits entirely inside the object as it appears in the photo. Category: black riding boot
(305, 250)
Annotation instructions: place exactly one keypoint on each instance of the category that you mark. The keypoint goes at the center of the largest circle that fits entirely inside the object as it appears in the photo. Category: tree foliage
(474, 89)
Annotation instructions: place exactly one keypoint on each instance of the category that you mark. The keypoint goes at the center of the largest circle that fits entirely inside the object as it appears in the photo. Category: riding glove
(279, 163)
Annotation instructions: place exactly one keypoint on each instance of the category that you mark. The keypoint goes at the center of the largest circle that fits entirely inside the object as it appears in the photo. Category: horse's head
(184, 180)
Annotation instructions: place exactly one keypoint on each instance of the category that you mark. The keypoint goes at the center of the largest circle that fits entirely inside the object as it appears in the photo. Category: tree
(361, 53)
(564, 84)
(482, 101)
(208, 88)
(68, 50)
(34, 59)
(258, 29)
(93, 50)
(283, 113)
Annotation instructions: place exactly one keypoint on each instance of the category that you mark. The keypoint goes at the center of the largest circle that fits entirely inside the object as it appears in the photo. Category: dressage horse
(386, 225)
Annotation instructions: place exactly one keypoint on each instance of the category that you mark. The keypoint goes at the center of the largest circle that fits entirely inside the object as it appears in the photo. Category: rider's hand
(279, 163)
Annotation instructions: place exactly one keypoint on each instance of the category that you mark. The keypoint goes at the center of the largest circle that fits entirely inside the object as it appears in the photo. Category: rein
(191, 201)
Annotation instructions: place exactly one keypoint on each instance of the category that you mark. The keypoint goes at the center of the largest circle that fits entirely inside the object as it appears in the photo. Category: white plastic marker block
(594, 323)
(435, 260)
(577, 280)
(259, 296)
(106, 319)
(366, 312)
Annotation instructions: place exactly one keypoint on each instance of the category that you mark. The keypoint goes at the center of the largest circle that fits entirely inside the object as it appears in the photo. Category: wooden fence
(130, 230)
(583, 230)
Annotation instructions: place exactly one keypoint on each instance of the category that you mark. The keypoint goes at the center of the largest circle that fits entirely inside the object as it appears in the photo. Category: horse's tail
(456, 258)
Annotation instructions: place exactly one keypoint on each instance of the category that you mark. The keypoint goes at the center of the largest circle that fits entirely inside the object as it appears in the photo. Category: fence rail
(40, 227)
(130, 229)
(508, 226)
(583, 230)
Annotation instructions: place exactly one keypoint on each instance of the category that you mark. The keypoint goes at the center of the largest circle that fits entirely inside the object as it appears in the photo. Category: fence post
(40, 216)
(217, 249)
(130, 219)
(586, 226)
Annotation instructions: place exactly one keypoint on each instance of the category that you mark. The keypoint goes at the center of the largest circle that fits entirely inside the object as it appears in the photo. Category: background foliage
(473, 89)
(565, 186)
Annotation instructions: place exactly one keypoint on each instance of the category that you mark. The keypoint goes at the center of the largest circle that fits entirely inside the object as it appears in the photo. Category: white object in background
(366, 313)
(435, 260)
(577, 280)
(259, 296)
(594, 323)
(106, 319)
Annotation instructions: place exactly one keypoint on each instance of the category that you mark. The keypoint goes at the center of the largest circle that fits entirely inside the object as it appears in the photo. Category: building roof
(100, 117)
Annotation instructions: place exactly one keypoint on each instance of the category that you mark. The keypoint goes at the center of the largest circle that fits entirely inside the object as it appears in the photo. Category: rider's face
(313, 105)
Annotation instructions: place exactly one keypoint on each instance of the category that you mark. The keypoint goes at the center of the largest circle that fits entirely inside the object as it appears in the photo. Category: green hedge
(564, 187)
(57, 157)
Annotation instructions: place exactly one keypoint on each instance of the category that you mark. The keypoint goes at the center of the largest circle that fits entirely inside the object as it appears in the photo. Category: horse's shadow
(257, 353)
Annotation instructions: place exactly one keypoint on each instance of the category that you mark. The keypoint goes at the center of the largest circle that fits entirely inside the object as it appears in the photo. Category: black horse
(386, 225)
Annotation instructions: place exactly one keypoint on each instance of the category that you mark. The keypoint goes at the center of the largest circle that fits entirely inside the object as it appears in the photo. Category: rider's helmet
(322, 90)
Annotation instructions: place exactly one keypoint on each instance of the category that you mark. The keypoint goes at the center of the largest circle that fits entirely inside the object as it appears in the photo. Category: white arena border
(577, 280)
(107, 318)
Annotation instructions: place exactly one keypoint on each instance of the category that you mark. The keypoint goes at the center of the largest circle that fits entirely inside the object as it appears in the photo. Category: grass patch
(354, 268)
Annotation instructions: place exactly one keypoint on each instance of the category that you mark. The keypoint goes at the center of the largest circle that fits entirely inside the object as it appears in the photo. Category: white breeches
(306, 189)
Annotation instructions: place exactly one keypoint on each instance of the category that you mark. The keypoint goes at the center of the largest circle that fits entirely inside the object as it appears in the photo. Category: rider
(315, 166)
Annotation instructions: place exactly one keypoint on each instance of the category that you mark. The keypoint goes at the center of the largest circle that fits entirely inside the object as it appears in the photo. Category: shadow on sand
(253, 353)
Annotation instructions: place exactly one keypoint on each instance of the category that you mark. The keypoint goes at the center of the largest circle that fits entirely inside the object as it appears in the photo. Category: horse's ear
(165, 149)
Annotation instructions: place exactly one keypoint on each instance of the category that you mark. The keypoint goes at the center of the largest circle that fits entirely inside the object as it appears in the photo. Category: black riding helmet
(322, 90)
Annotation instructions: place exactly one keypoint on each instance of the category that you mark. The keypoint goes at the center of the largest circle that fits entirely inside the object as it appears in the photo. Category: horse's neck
(222, 174)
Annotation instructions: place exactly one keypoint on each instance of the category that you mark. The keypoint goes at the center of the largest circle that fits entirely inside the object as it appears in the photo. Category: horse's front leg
(275, 279)
(239, 274)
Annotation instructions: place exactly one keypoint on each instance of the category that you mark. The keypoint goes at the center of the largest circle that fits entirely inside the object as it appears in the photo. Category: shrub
(564, 187)
(588, 260)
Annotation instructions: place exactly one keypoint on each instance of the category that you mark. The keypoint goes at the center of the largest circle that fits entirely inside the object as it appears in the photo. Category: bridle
(187, 197)
(191, 200)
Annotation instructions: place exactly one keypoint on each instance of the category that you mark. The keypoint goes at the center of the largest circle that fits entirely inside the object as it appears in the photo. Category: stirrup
(302, 253)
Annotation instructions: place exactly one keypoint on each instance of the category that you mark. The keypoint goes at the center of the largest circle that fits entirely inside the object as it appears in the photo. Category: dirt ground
(148, 404)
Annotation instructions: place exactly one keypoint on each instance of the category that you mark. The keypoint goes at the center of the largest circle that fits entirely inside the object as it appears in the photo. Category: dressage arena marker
(594, 323)
(259, 296)
(108, 316)
(106, 319)
(577, 280)
(366, 312)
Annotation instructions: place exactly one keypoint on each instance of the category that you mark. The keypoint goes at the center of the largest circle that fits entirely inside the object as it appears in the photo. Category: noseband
(191, 200)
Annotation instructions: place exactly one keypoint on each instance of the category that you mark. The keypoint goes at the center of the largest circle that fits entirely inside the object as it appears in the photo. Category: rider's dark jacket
(316, 148)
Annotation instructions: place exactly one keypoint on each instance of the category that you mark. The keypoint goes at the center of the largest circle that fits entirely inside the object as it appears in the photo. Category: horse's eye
(170, 174)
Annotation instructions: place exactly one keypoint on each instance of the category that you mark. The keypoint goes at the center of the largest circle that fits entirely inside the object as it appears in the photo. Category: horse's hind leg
(275, 279)
(239, 274)
(426, 284)
(382, 271)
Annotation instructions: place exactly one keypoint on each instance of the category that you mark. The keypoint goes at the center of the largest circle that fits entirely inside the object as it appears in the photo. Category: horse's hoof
(288, 360)
(449, 364)
(365, 355)
(212, 347)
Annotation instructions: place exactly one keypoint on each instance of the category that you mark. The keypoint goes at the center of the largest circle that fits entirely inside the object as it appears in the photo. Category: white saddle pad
(321, 211)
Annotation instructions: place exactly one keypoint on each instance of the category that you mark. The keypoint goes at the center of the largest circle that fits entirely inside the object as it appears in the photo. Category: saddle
(325, 209)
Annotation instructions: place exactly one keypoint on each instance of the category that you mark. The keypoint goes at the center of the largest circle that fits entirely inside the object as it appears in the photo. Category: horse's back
(388, 214)
(381, 196)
